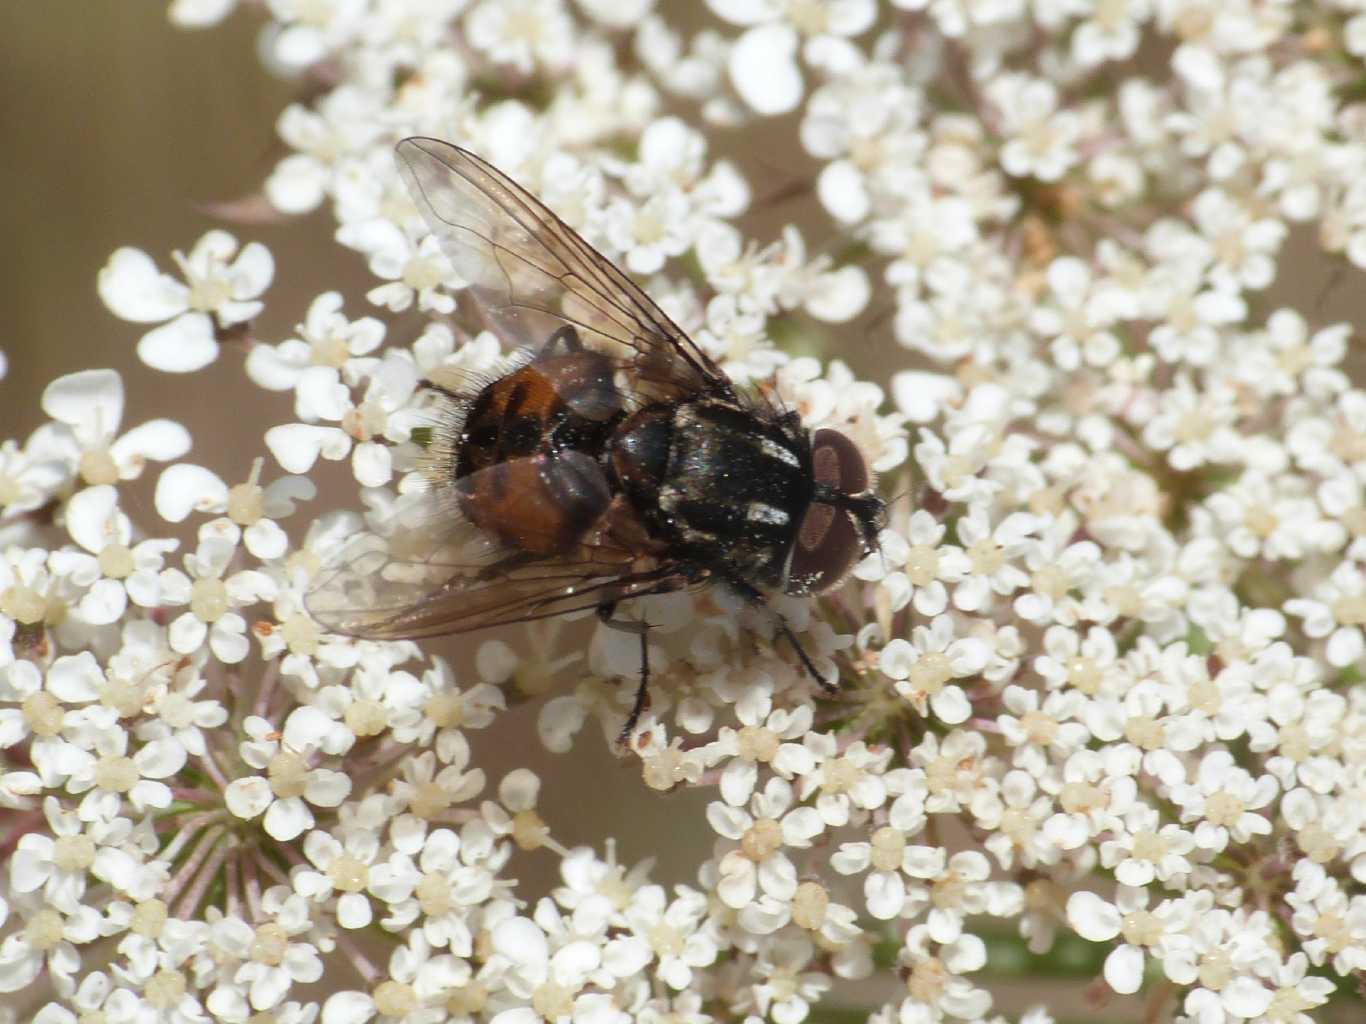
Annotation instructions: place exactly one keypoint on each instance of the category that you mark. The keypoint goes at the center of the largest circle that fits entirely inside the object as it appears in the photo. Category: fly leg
(756, 600)
(667, 579)
(642, 629)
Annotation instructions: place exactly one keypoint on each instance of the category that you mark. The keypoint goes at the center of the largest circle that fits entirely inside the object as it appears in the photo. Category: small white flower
(367, 429)
(46, 941)
(765, 737)
(1243, 244)
(923, 668)
(108, 775)
(325, 338)
(306, 33)
(652, 231)
(949, 993)
(90, 404)
(1332, 612)
(292, 783)
(220, 291)
(671, 933)
(762, 62)
(756, 861)
(116, 572)
(914, 569)
(1224, 799)
(271, 958)
(992, 553)
(1079, 314)
(1142, 850)
(213, 595)
(184, 487)
(344, 872)
(1041, 140)
(341, 124)
(1194, 426)
(1157, 932)
(522, 33)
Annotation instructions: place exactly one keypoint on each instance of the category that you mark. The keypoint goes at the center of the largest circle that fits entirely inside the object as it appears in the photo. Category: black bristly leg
(809, 665)
(641, 629)
(756, 599)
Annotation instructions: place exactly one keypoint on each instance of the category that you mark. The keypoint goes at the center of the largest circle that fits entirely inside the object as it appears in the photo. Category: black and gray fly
(612, 459)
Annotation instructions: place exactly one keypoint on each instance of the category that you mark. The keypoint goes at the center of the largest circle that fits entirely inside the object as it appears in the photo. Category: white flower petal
(252, 271)
(133, 289)
(320, 395)
(187, 633)
(184, 345)
(297, 446)
(885, 893)
(1091, 917)
(763, 69)
(372, 464)
(160, 759)
(354, 910)
(746, 12)
(89, 516)
(297, 185)
(266, 539)
(248, 797)
(199, 13)
(1246, 997)
(839, 296)
(103, 603)
(348, 1008)
(951, 705)
(185, 488)
(287, 819)
(75, 678)
(228, 641)
(306, 727)
(1124, 969)
(523, 943)
(160, 440)
(1345, 647)
(327, 788)
(89, 399)
(842, 192)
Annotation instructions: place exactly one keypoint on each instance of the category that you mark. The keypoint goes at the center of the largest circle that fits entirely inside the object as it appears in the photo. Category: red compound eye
(829, 540)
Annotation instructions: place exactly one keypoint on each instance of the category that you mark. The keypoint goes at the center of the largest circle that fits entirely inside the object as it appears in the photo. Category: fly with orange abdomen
(611, 461)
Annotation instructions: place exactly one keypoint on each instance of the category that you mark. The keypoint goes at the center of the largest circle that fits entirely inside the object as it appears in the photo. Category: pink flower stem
(207, 843)
(273, 869)
(194, 796)
(223, 846)
(358, 959)
(189, 828)
(212, 768)
(252, 886)
(267, 689)
(233, 897)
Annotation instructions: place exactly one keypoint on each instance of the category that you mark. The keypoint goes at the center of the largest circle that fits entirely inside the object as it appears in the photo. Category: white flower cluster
(1102, 680)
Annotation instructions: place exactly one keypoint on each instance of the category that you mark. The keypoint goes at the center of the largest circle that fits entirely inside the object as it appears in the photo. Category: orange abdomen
(527, 466)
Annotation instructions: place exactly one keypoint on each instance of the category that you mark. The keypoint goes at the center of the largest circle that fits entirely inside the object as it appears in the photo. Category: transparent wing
(428, 571)
(531, 273)
(373, 594)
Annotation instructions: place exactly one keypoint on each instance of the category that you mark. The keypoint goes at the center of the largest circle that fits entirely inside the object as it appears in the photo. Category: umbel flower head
(1055, 270)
